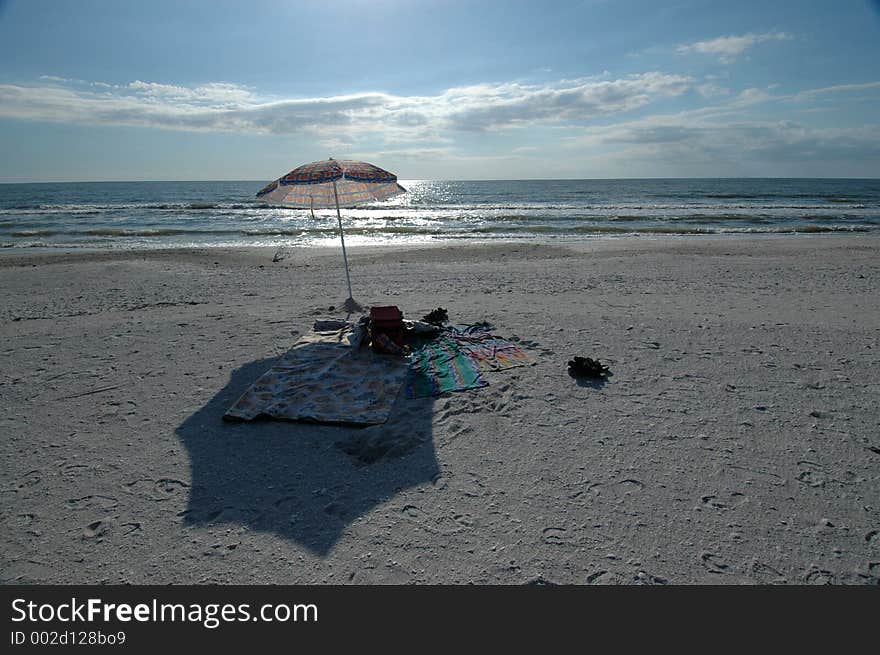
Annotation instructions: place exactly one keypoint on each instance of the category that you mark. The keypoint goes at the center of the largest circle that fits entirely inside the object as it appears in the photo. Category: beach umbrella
(332, 183)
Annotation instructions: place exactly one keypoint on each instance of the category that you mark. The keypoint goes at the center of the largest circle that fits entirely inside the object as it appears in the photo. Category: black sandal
(436, 317)
(587, 367)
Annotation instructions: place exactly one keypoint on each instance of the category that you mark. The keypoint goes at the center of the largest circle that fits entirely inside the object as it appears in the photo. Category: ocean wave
(33, 233)
(157, 232)
(441, 231)
(333, 231)
(757, 196)
(841, 207)
(72, 208)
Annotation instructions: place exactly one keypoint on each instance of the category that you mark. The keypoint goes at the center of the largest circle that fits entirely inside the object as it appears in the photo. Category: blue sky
(197, 90)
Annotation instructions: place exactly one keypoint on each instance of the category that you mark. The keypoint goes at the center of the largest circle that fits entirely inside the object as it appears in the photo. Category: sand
(737, 441)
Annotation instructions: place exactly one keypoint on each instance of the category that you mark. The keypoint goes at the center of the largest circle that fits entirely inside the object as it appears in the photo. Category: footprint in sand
(412, 512)
(159, 490)
(95, 501)
(724, 501)
(130, 528)
(540, 581)
(72, 470)
(243, 515)
(199, 516)
(767, 574)
(475, 402)
(812, 474)
(625, 488)
(532, 345)
(96, 530)
(29, 479)
(439, 525)
(713, 562)
(465, 520)
(757, 475)
(511, 397)
(221, 550)
(643, 578)
(819, 577)
(370, 447)
(456, 430)
(593, 577)
(554, 536)
(586, 488)
(165, 488)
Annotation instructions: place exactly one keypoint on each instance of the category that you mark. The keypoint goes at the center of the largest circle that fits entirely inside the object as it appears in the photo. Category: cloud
(753, 96)
(228, 107)
(735, 136)
(838, 88)
(710, 90)
(490, 107)
(727, 48)
(676, 139)
(581, 121)
(214, 107)
(213, 94)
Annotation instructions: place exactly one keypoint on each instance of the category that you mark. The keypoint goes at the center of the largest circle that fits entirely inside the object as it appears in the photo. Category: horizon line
(513, 179)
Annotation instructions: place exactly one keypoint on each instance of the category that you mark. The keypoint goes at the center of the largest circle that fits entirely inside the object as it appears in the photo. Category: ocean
(132, 215)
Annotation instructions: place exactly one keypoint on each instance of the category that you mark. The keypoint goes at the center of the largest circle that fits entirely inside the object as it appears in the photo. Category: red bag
(387, 321)
(388, 316)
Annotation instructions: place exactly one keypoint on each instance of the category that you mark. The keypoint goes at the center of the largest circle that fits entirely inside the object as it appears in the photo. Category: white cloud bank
(728, 48)
(773, 140)
(752, 128)
(227, 107)
(698, 143)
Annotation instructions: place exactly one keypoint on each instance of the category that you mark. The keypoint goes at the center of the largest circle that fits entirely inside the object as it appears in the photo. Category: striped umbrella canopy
(332, 183)
(329, 183)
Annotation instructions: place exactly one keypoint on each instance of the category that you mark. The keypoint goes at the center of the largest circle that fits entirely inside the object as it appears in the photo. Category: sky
(94, 90)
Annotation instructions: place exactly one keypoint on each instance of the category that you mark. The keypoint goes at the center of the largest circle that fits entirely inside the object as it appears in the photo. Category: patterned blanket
(321, 378)
(491, 353)
(439, 366)
(455, 360)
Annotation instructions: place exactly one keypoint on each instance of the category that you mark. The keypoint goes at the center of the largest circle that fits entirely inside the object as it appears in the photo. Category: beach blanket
(323, 379)
(456, 360)
(492, 353)
(439, 366)
(489, 352)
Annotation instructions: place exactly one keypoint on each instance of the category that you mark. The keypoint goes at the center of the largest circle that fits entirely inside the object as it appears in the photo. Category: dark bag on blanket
(386, 329)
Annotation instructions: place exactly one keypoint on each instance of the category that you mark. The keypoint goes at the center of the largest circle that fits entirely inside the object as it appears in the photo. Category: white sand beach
(737, 441)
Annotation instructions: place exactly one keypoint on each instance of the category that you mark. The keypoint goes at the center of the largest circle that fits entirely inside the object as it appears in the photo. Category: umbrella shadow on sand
(304, 482)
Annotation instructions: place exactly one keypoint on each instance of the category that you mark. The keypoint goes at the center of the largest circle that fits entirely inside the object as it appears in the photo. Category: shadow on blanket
(305, 482)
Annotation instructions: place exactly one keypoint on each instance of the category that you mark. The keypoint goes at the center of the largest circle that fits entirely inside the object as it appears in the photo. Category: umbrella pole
(342, 238)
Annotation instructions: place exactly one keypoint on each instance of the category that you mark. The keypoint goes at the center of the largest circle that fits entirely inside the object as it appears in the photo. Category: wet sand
(737, 441)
